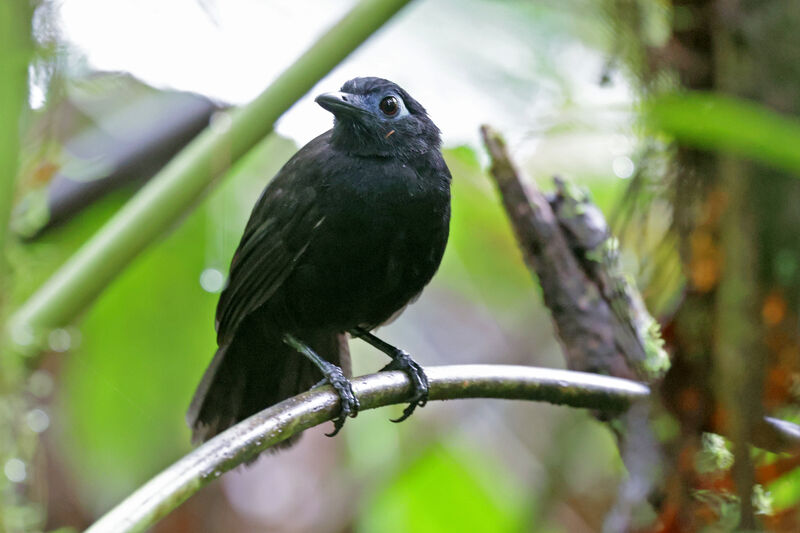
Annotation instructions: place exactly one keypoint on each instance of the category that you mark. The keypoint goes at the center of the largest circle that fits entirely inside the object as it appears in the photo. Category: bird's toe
(347, 398)
(419, 382)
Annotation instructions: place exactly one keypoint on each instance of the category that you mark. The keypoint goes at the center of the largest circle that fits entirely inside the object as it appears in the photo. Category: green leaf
(719, 122)
(785, 490)
(446, 490)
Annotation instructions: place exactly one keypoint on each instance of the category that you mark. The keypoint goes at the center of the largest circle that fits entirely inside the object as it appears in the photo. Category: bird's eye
(389, 106)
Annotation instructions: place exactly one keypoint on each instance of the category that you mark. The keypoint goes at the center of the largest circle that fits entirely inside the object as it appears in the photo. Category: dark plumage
(349, 231)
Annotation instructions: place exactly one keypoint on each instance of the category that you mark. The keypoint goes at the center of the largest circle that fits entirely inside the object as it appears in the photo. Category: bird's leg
(401, 360)
(333, 375)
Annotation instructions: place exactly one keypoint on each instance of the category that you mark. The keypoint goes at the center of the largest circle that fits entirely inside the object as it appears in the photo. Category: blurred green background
(112, 391)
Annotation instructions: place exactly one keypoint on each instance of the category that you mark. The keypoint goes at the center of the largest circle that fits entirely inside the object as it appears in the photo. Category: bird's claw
(419, 382)
(344, 389)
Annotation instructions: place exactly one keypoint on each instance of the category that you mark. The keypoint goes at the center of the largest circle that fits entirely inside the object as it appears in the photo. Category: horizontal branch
(247, 439)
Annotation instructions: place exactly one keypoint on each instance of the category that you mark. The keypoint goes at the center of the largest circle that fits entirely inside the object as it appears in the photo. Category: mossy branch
(598, 314)
(243, 442)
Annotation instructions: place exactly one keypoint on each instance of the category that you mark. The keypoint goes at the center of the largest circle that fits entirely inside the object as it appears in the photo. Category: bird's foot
(344, 389)
(333, 375)
(419, 381)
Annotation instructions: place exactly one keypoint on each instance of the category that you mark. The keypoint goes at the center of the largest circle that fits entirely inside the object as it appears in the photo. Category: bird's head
(375, 117)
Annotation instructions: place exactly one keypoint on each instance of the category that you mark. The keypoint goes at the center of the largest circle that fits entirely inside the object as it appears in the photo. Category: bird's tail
(251, 373)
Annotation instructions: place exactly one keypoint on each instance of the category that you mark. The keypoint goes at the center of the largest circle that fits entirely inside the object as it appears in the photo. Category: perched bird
(349, 231)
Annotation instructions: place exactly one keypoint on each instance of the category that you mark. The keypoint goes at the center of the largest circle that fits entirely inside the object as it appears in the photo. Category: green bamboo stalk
(189, 175)
(15, 53)
(242, 442)
(16, 49)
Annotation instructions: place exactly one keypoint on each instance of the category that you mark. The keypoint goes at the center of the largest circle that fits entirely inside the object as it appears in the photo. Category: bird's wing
(279, 231)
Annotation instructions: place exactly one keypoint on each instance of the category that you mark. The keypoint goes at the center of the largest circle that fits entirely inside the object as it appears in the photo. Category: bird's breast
(377, 247)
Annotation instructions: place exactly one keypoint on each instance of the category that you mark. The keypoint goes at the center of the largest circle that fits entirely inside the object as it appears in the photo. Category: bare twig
(247, 439)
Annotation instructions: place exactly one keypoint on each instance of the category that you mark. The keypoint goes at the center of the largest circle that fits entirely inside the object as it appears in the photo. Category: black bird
(348, 232)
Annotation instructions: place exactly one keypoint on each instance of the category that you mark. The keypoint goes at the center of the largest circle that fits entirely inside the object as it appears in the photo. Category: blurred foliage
(18, 443)
(482, 240)
(16, 51)
(446, 489)
(785, 490)
(723, 87)
(720, 122)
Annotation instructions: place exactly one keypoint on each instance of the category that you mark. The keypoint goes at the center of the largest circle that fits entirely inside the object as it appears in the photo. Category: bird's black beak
(340, 104)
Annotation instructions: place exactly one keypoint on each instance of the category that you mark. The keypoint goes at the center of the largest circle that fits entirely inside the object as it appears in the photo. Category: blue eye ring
(389, 106)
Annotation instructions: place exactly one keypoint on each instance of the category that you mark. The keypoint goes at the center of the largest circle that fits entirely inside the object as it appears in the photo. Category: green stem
(15, 52)
(241, 443)
(16, 48)
(183, 181)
